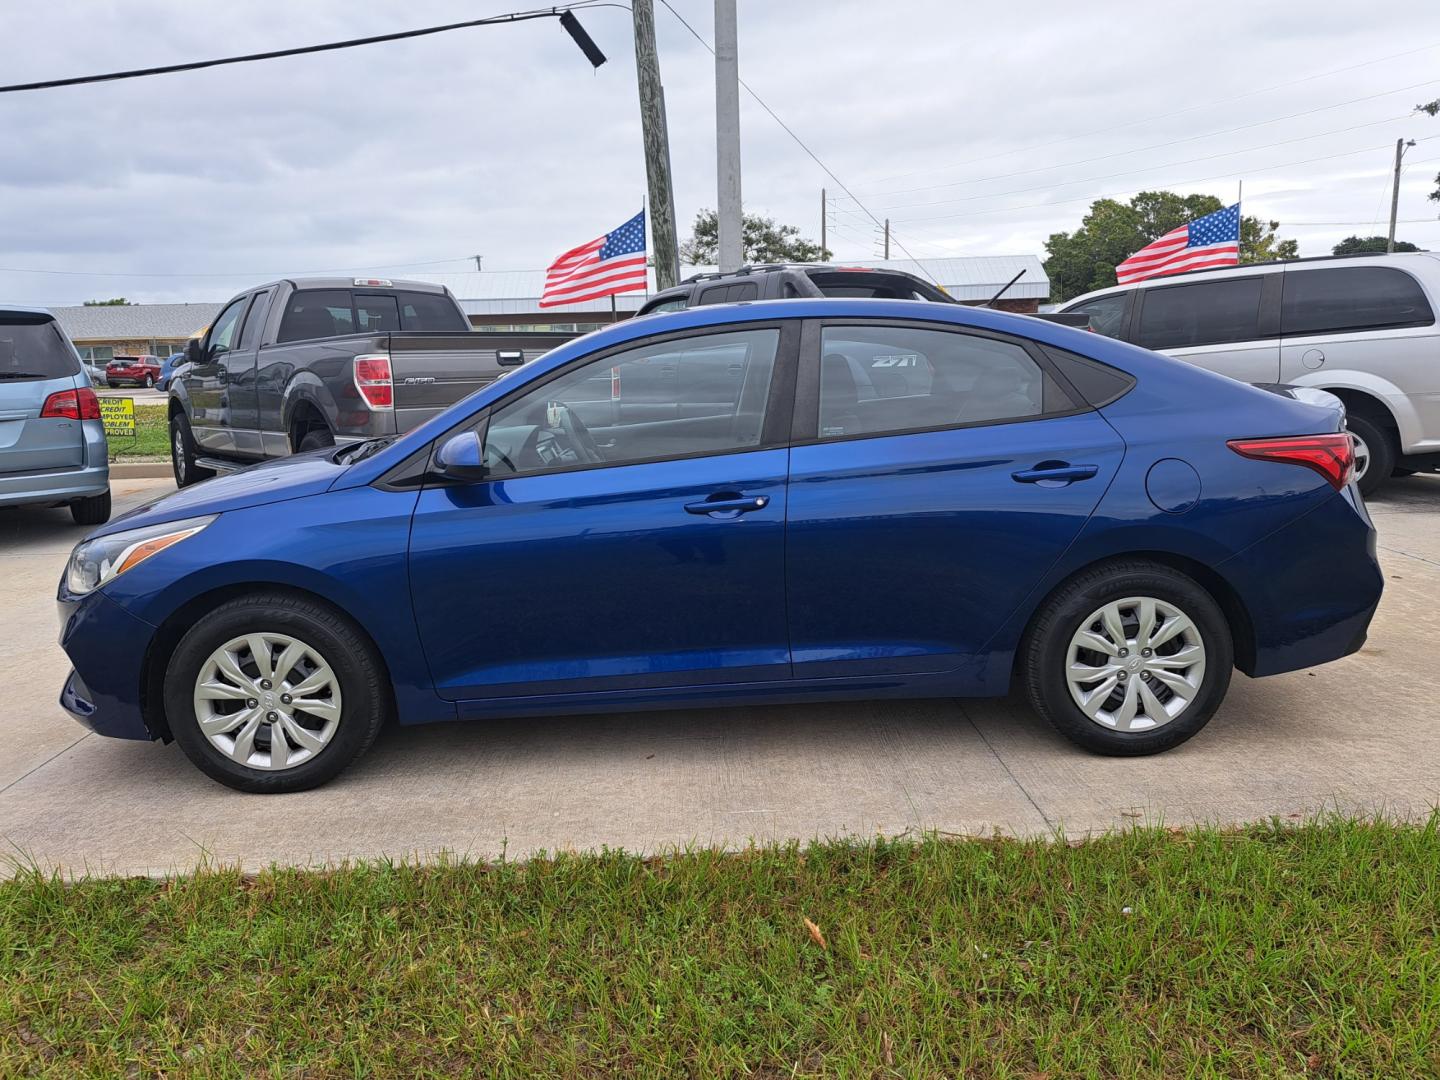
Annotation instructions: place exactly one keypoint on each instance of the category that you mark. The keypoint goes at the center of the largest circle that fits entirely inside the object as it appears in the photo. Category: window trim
(773, 433)
(805, 425)
(1267, 319)
(1370, 329)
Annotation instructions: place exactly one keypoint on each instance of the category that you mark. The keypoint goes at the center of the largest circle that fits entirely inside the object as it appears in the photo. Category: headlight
(97, 561)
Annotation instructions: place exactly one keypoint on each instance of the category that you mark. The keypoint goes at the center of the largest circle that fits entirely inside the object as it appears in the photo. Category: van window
(1205, 313)
(1107, 314)
(1351, 298)
(32, 347)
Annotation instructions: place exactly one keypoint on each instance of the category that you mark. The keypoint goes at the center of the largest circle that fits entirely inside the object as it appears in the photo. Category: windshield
(32, 347)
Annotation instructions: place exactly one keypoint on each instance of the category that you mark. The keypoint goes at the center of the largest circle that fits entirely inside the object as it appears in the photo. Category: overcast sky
(977, 128)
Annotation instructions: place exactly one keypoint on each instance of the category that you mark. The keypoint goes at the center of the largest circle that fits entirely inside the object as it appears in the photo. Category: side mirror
(194, 353)
(462, 457)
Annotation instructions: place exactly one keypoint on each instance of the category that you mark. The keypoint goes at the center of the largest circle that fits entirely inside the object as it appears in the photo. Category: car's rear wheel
(317, 438)
(149, 381)
(94, 510)
(274, 693)
(182, 453)
(1374, 453)
(1127, 659)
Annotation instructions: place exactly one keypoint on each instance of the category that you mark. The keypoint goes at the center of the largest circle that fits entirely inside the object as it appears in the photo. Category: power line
(799, 141)
(331, 46)
(234, 273)
(1160, 116)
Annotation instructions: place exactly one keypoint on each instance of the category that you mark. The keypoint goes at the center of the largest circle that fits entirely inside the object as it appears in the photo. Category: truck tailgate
(433, 371)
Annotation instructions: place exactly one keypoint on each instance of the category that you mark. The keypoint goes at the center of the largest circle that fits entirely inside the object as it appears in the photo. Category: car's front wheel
(274, 693)
(183, 453)
(1130, 658)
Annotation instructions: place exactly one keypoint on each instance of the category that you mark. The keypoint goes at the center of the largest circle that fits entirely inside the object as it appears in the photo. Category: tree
(1113, 231)
(1357, 245)
(118, 301)
(763, 242)
(1432, 108)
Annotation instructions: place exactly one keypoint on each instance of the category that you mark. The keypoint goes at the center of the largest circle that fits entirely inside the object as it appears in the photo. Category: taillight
(79, 404)
(1332, 456)
(372, 379)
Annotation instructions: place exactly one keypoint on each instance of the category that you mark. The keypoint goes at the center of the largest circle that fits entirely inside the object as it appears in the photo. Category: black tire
(182, 453)
(317, 438)
(1044, 654)
(92, 511)
(149, 381)
(365, 691)
(1380, 441)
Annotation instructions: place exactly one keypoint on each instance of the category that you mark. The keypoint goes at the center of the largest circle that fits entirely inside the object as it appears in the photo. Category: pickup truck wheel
(315, 439)
(182, 453)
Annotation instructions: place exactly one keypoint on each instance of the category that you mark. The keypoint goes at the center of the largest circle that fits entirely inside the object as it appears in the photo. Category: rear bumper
(62, 485)
(108, 646)
(1310, 588)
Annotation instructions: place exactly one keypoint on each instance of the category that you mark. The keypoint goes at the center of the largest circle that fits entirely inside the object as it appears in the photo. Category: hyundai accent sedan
(742, 504)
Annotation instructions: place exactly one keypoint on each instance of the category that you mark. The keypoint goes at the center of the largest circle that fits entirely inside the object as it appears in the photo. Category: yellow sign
(118, 416)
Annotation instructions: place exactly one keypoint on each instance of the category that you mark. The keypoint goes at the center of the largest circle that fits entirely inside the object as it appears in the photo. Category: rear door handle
(729, 508)
(1060, 471)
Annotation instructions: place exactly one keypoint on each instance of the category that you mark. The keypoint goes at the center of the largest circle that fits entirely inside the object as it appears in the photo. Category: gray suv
(52, 442)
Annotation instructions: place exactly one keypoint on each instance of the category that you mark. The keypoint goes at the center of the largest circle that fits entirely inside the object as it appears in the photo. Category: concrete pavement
(1362, 734)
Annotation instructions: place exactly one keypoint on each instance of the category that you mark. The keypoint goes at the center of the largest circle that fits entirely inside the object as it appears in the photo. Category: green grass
(1271, 951)
(152, 436)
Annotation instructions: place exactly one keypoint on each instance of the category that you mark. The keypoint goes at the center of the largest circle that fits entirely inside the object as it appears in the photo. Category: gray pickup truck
(306, 363)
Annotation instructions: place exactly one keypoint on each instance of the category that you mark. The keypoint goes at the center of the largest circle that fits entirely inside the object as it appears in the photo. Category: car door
(921, 517)
(242, 393)
(606, 551)
(1228, 325)
(207, 382)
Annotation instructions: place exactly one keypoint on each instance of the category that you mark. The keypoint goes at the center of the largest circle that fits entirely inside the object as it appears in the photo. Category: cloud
(502, 141)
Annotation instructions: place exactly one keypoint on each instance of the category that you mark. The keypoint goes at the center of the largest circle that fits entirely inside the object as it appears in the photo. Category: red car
(137, 370)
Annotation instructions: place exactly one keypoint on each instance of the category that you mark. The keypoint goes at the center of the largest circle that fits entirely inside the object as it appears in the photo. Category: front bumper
(62, 485)
(108, 647)
(1310, 588)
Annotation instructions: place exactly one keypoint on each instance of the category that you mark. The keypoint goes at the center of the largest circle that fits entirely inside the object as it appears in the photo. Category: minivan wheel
(1374, 453)
(182, 453)
(274, 693)
(94, 510)
(1127, 659)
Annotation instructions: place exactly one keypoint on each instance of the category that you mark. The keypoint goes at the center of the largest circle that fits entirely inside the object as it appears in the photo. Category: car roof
(353, 282)
(22, 309)
(1273, 266)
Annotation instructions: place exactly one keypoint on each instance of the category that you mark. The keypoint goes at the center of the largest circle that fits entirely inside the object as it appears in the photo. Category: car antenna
(1004, 288)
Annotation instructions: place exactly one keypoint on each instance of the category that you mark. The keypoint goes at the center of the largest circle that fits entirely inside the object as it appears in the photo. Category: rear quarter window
(1349, 298)
(33, 347)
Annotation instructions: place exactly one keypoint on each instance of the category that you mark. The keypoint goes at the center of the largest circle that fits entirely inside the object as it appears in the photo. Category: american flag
(1213, 240)
(613, 263)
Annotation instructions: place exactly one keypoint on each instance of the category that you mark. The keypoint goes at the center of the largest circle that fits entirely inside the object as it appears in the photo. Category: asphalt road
(139, 393)
(1362, 734)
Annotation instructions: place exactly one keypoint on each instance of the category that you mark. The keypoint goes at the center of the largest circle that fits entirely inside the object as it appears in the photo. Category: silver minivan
(1360, 326)
(52, 441)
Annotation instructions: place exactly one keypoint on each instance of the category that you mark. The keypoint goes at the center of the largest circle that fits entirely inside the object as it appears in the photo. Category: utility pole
(731, 220)
(477, 259)
(887, 239)
(657, 147)
(1400, 147)
(824, 247)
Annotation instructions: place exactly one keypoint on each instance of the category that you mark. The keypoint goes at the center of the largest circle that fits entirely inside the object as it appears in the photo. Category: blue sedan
(743, 504)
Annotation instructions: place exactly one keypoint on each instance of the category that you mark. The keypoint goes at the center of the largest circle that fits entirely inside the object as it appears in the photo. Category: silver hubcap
(1362, 455)
(1135, 664)
(267, 701)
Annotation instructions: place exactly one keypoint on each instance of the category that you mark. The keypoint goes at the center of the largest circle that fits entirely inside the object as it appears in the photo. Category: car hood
(269, 482)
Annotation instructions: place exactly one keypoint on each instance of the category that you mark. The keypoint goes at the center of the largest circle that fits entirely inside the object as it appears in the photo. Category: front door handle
(1055, 470)
(728, 507)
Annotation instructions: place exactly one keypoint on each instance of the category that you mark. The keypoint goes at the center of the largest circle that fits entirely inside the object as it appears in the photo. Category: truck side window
(317, 313)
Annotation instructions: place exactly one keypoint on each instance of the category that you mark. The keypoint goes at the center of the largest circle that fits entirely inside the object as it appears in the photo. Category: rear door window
(431, 311)
(32, 347)
(1348, 298)
(317, 313)
(1203, 313)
